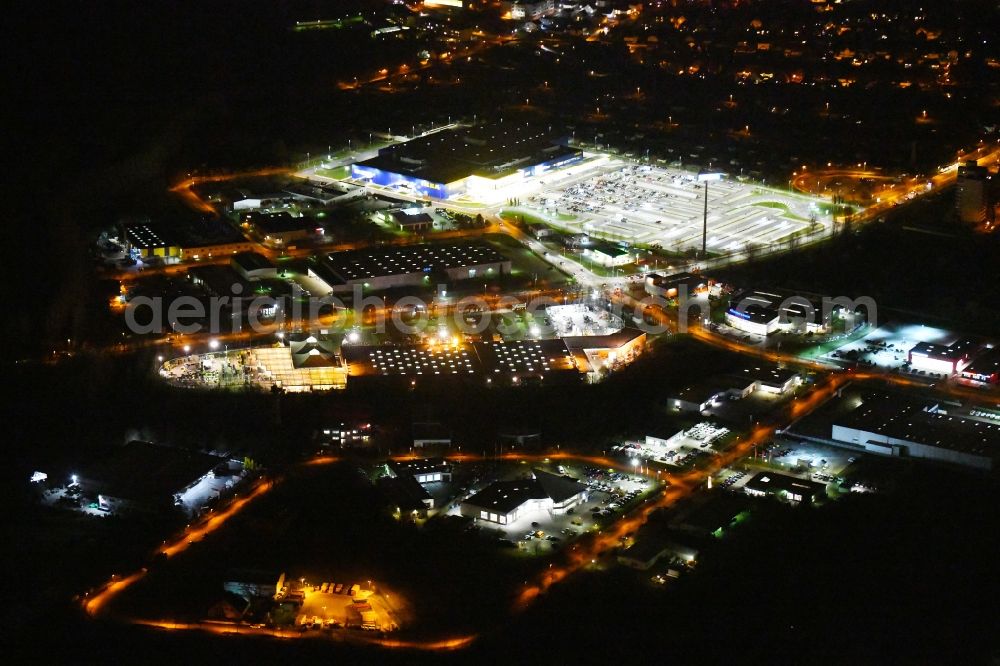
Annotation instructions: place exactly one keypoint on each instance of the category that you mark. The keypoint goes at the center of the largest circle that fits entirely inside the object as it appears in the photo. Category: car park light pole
(706, 178)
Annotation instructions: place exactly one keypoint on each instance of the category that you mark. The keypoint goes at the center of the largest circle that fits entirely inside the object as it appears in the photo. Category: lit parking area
(665, 206)
(819, 462)
(887, 346)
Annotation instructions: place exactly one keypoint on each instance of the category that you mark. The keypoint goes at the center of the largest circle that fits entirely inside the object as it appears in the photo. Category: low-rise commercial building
(765, 312)
(409, 219)
(788, 488)
(762, 377)
(504, 502)
(946, 359)
(307, 363)
(608, 254)
(203, 239)
(253, 265)
(281, 230)
(424, 470)
(594, 354)
(251, 584)
(985, 368)
(670, 286)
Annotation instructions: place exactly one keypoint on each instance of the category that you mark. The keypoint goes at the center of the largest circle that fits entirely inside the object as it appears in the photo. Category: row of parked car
(732, 479)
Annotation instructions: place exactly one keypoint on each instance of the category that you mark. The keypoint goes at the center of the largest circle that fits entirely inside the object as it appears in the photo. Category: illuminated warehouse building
(454, 162)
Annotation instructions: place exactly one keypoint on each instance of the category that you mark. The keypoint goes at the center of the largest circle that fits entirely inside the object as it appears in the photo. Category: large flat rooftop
(182, 233)
(892, 415)
(408, 259)
(489, 151)
(519, 358)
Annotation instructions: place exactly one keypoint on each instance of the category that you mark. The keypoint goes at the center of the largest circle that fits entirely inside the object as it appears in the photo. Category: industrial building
(670, 286)
(890, 424)
(765, 312)
(147, 477)
(504, 502)
(607, 254)
(181, 242)
(764, 377)
(942, 358)
(280, 229)
(408, 265)
(788, 488)
(985, 368)
(515, 361)
(475, 160)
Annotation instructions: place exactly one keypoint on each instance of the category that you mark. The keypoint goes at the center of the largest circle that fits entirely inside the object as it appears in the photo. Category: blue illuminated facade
(390, 178)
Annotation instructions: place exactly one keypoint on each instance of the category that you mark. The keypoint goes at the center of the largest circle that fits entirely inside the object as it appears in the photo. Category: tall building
(970, 195)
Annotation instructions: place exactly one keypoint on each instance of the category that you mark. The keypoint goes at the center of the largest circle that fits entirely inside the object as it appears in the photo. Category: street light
(706, 178)
(213, 343)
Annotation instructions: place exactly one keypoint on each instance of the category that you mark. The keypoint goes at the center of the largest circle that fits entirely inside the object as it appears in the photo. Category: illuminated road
(583, 553)
(580, 555)
(893, 191)
(185, 188)
(95, 605)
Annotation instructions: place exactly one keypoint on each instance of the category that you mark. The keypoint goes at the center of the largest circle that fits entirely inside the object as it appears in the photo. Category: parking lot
(665, 206)
(816, 460)
(887, 346)
(823, 464)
